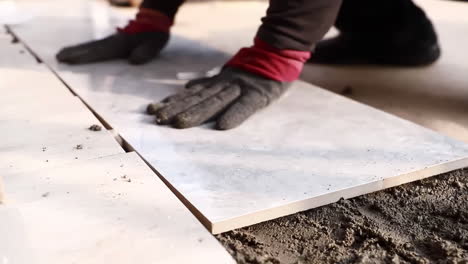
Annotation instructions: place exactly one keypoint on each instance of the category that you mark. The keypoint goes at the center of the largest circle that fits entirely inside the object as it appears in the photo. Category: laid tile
(11, 14)
(14, 246)
(32, 85)
(2, 195)
(435, 96)
(22, 77)
(33, 140)
(107, 210)
(39, 156)
(311, 148)
(41, 122)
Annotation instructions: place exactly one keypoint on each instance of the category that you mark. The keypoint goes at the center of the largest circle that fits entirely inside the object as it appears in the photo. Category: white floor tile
(108, 210)
(21, 77)
(309, 149)
(35, 138)
(2, 195)
(41, 121)
(435, 96)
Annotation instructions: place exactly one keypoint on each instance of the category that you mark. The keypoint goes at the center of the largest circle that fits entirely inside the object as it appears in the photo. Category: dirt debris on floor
(14, 40)
(420, 222)
(126, 178)
(95, 128)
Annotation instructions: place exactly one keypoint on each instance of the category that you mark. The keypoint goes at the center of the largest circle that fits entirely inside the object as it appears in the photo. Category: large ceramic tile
(41, 121)
(22, 77)
(309, 149)
(29, 121)
(11, 14)
(32, 141)
(2, 195)
(108, 210)
(435, 96)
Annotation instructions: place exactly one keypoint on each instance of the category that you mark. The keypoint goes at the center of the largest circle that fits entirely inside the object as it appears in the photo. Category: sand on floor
(420, 222)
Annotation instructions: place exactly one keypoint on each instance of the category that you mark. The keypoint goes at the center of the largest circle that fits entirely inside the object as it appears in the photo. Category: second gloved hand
(137, 48)
(230, 98)
(140, 41)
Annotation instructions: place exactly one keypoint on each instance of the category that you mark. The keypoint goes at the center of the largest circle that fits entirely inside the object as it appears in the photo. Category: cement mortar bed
(420, 222)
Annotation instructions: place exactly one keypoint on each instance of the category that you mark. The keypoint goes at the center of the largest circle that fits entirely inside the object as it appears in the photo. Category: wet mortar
(421, 222)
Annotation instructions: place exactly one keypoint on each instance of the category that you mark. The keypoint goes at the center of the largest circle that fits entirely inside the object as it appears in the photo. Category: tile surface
(2, 195)
(106, 210)
(435, 96)
(41, 121)
(309, 149)
(64, 204)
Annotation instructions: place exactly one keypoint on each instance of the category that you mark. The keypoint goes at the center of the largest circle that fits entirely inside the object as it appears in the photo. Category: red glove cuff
(148, 20)
(270, 62)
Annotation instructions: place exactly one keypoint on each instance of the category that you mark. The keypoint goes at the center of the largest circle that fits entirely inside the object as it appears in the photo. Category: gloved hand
(137, 48)
(140, 41)
(230, 97)
(250, 81)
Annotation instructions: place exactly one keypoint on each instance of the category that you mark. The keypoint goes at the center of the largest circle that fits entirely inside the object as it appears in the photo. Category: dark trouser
(300, 24)
(167, 7)
(381, 18)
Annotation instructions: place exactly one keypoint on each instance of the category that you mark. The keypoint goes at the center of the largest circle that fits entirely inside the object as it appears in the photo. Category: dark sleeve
(297, 24)
(167, 7)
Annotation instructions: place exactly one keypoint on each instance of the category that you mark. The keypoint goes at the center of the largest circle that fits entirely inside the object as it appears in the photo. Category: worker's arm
(140, 41)
(257, 75)
(167, 7)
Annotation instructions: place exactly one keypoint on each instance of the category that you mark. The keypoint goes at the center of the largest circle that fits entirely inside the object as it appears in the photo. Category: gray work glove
(138, 48)
(230, 97)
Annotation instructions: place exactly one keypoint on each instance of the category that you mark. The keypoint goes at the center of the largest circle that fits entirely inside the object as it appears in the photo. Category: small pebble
(95, 127)
(458, 184)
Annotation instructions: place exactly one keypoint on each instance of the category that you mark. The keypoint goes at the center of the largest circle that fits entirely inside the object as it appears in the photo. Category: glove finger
(183, 94)
(167, 113)
(154, 107)
(69, 53)
(112, 47)
(197, 82)
(208, 108)
(241, 110)
(147, 51)
(77, 55)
